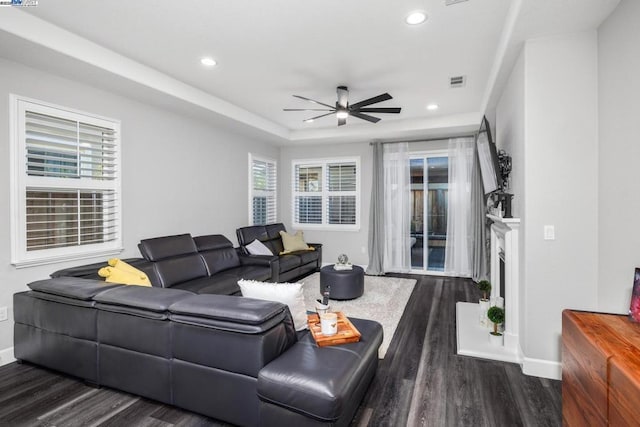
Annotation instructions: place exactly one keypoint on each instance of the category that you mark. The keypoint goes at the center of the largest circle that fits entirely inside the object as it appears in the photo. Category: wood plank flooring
(421, 382)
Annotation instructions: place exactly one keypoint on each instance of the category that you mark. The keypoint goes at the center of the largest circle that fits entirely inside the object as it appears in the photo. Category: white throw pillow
(258, 248)
(286, 293)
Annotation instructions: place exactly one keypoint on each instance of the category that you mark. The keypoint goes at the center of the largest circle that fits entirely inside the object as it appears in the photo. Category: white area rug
(384, 301)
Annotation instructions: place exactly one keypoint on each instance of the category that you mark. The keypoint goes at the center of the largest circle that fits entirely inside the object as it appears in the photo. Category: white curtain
(397, 212)
(458, 252)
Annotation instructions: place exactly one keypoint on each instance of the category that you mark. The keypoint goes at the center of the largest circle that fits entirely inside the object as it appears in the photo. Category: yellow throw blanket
(121, 272)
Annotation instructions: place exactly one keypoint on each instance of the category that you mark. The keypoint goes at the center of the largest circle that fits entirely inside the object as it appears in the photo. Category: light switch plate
(3, 314)
(549, 232)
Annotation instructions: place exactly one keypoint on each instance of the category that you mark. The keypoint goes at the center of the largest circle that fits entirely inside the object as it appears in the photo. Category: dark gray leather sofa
(204, 264)
(231, 358)
(290, 266)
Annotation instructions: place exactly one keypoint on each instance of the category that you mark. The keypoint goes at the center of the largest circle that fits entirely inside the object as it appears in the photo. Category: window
(262, 191)
(66, 184)
(326, 194)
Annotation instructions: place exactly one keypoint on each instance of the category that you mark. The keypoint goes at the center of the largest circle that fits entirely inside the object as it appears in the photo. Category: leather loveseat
(290, 266)
(231, 358)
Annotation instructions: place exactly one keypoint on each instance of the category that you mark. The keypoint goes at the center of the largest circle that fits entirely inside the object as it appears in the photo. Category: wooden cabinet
(600, 370)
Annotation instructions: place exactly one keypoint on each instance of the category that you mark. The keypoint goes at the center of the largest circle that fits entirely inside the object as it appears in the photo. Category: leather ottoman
(343, 284)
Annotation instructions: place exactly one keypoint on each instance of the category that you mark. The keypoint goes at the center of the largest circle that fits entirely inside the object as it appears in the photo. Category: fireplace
(505, 274)
(471, 335)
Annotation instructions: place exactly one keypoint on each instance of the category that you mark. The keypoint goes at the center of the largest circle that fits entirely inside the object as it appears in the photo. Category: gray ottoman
(344, 284)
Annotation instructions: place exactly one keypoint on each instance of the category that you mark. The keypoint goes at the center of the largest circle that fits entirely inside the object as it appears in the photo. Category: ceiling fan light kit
(343, 109)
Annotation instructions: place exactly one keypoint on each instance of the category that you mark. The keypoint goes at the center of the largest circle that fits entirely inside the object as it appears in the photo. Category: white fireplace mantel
(472, 337)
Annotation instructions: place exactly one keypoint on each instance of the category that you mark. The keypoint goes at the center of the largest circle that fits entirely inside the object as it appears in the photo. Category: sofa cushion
(172, 271)
(220, 260)
(165, 247)
(286, 293)
(306, 257)
(256, 315)
(145, 298)
(219, 284)
(251, 272)
(289, 262)
(72, 287)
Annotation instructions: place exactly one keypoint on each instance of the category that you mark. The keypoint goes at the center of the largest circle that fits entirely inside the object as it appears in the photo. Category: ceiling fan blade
(394, 110)
(314, 101)
(343, 96)
(307, 109)
(375, 99)
(364, 117)
(342, 122)
(317, 117)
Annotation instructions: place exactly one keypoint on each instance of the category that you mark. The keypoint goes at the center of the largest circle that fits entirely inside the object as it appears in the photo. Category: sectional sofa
(234, 359)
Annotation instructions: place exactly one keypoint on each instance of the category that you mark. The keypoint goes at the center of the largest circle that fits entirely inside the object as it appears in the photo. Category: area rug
(384, 301)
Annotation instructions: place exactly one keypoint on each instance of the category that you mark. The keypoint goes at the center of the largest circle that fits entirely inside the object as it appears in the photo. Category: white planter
(482, 312)
(496, 340)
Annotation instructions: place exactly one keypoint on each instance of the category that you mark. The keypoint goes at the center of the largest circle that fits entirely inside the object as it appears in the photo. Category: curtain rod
(442, 138)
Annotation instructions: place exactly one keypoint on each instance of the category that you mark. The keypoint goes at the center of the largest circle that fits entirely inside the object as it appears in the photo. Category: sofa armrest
(318, 248)
(263, 260)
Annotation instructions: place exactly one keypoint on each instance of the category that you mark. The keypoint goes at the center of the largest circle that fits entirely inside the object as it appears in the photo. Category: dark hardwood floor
(421, 382)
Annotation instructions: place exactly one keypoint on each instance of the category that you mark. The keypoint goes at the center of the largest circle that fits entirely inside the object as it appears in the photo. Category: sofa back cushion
(268, 234)
(160, 248)
(218, 253)
(175, 258)
(180, 269)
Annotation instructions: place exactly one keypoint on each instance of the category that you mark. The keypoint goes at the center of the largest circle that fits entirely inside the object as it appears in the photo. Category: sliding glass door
(429, 188)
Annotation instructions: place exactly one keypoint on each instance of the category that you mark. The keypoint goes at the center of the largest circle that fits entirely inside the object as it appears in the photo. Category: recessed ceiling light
(342, 114)
(416, 17)
(432, 107)
(208, 61)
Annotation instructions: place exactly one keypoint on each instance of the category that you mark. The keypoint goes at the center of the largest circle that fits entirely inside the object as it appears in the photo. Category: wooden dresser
(600, 370)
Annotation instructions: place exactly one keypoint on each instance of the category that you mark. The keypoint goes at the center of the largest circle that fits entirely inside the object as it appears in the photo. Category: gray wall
(179, 175)
(619, 156)
(550, 124)
(352, 243)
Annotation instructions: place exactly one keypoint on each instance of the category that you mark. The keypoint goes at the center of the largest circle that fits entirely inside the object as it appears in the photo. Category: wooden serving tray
(346, 331)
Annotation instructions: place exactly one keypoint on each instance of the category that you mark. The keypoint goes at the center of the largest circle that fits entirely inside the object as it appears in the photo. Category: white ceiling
(270, 50)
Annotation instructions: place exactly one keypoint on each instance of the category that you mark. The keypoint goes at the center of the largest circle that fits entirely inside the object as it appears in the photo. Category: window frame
(20, 181)
(253, 193)
(325, 193)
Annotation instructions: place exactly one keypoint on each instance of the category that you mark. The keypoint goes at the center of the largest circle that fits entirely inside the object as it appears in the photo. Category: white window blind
(66, 196)
(262, 190)
(326, 194)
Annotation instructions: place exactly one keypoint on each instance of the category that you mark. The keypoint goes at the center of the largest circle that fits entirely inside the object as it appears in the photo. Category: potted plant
(496, 315)
(485, 288)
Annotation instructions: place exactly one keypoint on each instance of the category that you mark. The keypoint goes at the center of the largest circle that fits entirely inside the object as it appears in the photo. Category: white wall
(619, 156)
(510, 136)
(558, 146)
(179, 175)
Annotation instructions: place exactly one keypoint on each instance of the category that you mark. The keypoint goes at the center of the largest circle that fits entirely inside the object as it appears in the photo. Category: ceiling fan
(343, 109)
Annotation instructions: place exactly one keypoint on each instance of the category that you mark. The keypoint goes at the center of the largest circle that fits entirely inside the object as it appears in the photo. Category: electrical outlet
(3, 314)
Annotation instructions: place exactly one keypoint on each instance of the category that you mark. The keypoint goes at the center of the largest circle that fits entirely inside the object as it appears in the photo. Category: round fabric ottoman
(343, 284)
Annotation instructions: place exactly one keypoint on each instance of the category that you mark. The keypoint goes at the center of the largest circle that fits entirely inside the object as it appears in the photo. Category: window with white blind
(262, 190)
(66, 184)
(326, 193)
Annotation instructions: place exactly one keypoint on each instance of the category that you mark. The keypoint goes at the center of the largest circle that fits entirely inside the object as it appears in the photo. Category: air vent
(457, 81)
(450, 2)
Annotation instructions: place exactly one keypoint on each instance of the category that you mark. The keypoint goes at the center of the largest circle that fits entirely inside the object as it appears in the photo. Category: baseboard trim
(542, 368)
(6, 356)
